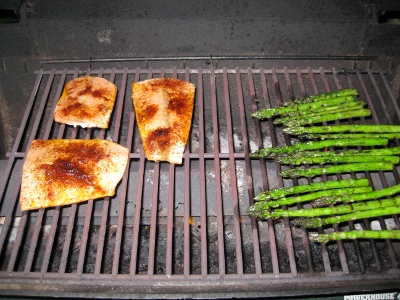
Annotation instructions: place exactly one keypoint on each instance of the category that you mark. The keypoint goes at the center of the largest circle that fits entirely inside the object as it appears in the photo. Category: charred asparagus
(327, 200)
(312, 187)
(357, 234)
(343, 129)
(318, 222)
(311, 145)
(344, 168)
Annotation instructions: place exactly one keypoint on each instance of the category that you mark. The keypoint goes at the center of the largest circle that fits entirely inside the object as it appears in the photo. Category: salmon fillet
(164, 108)
(62, 172)
(87, 102)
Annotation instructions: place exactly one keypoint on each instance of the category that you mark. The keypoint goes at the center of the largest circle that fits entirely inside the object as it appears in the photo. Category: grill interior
(183, 230)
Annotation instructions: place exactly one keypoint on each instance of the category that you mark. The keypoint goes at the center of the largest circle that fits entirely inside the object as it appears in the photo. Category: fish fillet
(164, 108)
(87, 102)
(61, 172)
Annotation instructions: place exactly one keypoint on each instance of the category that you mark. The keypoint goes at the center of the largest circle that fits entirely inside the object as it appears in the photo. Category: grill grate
(183, 230)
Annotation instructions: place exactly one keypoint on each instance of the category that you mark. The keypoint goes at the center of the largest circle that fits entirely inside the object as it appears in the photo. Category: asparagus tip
(320, 238)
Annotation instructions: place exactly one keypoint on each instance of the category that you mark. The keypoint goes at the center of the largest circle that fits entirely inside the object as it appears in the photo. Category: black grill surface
(182, 230)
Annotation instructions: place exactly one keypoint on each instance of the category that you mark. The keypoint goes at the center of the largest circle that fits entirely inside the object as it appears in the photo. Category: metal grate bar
(271, 232)
(154, 210)
(122, 200)
(216, 71)
(202, 171)
(106, 203)
(232, 171)
(304, 233)
(170, 209)
(287, 227)
(254, 227)
(138, 208)
(217, 170)
(187, 203)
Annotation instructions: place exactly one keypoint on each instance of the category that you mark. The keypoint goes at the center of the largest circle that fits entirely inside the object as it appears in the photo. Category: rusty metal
(183, 230)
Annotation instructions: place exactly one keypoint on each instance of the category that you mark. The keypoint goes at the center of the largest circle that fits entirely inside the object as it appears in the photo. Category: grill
(182, 230)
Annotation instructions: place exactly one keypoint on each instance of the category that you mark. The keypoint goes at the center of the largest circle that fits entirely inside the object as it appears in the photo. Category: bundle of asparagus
(355, 196)
(348, 196)
(329, 107)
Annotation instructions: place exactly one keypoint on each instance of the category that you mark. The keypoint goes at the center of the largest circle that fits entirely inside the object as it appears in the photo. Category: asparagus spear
(344, 168)
(343, 128)
(318, 112)
(357, 234)
(350, 152)
(318, 222)
(270, 112)
(311, 145)
(357, 113)
(327, 200)
(339, 159)
(261, 207)
(323, 96)
(325, 211)
(316, 186)
(390, 136)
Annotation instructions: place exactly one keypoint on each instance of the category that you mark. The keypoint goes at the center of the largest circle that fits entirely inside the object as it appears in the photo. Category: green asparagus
(323, 96)
(357, 113)
(318, 222)
(262, 206)
(324, 211)
(319, 112)
(270, 112)
(390, 136)
(287, 160)
(349, 152)
(357, 234)
(344, 168)
(312, 187)
(343, 129)
(327, 200)
(311, 145)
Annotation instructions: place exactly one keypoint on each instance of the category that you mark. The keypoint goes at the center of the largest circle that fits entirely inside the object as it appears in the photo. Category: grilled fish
(87, 102)
(61, 172)
(164, 108)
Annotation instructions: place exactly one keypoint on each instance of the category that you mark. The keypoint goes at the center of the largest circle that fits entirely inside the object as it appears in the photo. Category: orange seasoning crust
(62, 172)
(164, 108)
(87, 102)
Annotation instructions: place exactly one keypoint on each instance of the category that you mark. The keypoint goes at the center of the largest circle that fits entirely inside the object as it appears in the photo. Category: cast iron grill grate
(183, 229)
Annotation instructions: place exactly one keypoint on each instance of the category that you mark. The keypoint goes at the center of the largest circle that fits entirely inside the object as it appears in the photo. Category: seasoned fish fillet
(62, 172)
(164, 108)
(87, 102)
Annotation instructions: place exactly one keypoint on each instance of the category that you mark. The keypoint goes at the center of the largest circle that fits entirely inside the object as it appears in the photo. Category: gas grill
(182, 231)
